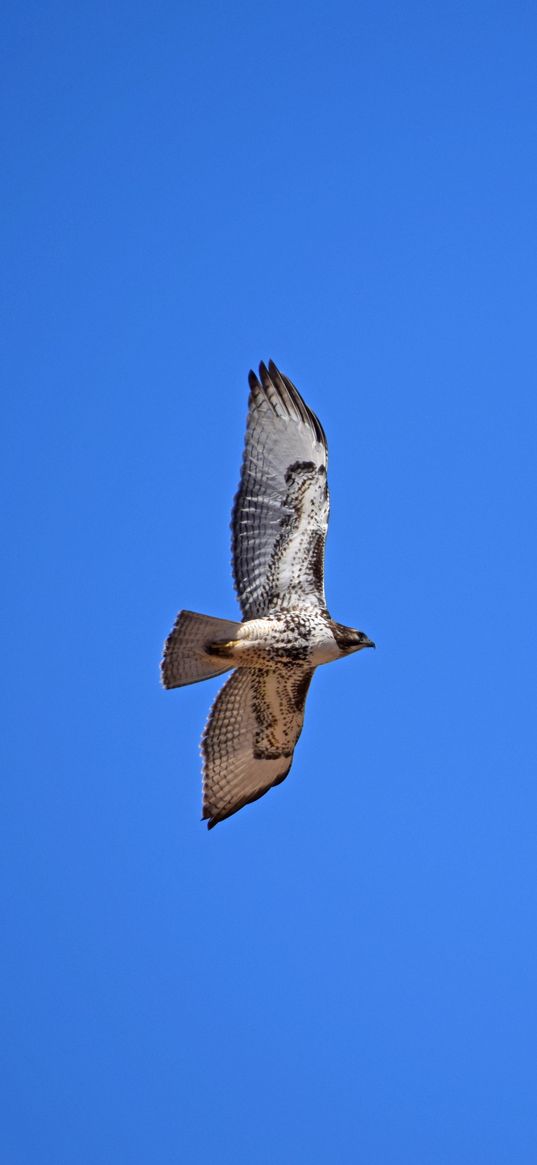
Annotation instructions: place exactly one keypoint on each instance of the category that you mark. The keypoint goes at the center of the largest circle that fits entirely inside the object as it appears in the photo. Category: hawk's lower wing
(250, 736)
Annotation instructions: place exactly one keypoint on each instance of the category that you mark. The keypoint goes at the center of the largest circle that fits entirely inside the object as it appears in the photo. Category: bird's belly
(266, 642)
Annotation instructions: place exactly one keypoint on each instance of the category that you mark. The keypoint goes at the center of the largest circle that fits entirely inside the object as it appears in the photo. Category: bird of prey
(279, 522)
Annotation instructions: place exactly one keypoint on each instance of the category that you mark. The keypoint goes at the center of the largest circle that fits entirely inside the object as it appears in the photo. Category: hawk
(279, 522)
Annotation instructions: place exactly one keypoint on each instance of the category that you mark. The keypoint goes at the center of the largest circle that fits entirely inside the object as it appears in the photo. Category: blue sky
(346, 970)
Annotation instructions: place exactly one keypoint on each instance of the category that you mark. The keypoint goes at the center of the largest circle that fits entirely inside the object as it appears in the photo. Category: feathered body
(279, 524)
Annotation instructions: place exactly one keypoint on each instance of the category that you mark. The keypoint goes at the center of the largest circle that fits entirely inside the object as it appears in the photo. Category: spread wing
(281, 508)
(250, 737)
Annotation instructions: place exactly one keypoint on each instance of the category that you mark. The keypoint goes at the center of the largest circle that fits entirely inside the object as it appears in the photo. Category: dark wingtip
(208, 819)
(287, 391)
(263, 373)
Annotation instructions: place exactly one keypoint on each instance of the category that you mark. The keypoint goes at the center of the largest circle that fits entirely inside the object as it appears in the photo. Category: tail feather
(185, 659)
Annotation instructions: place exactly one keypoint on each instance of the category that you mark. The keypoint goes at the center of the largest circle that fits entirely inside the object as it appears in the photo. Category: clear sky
(345, 971)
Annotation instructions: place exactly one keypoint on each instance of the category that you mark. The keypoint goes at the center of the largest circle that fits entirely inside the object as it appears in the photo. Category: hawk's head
(349, 639)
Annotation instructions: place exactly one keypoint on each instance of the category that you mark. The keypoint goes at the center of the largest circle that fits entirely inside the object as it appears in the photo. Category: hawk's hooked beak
(367, 643)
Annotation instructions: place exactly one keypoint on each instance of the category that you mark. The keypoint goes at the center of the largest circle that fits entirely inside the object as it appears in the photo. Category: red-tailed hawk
(279, 523)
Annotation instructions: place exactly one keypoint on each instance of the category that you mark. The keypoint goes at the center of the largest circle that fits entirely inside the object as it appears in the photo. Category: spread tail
(185, 659)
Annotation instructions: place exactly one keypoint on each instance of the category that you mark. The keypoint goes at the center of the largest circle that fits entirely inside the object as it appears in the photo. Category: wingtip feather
(263, 374)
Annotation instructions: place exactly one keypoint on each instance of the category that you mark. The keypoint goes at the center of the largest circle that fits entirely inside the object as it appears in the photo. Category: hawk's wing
(250, 736)
(280, 513)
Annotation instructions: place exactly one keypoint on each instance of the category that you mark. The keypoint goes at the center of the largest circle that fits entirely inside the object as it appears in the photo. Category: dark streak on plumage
(317, 559)
(299, 467)
(301, 689)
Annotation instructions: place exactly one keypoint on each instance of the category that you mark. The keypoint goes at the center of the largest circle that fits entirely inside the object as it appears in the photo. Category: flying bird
(279, 523)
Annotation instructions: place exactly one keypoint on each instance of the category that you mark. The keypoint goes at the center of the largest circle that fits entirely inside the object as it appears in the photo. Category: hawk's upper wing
(281, 508)
(250, 736)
